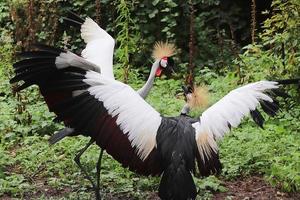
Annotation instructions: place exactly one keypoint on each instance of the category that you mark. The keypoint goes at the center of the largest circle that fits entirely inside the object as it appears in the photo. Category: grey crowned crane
(130, 130)
(99, 53)
(36, 66)
(97, 56)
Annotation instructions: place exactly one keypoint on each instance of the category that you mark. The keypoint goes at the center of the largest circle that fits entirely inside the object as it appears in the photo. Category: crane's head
(166, 66)
(196, 96)
(163, 53)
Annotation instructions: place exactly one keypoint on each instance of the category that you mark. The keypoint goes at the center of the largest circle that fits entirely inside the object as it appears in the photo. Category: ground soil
(253, 187)
(250, 188)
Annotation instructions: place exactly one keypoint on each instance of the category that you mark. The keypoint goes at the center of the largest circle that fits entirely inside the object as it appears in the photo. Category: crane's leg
(77, 161)
(99, 169)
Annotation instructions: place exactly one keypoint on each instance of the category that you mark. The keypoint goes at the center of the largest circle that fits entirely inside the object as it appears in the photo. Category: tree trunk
(98, 11)
(191, 66)
(253, 21)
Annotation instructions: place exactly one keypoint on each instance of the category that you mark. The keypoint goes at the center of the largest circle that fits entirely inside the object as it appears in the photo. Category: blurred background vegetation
(221, 43)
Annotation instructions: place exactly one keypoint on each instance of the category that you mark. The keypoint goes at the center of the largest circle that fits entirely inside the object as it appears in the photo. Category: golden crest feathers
(199, 98)
(163, 49)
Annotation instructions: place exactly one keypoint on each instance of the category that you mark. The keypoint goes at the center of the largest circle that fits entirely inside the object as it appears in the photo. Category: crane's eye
(163, 63)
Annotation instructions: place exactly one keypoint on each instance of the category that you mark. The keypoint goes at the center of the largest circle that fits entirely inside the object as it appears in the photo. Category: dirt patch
(250, 188)
(41, 189)
(253, 187)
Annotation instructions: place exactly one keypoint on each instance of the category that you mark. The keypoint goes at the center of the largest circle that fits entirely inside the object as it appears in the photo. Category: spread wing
(229, 111)
(94, 105)
(99, 44)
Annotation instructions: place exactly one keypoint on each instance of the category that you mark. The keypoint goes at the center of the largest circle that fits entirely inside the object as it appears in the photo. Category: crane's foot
(77, 161)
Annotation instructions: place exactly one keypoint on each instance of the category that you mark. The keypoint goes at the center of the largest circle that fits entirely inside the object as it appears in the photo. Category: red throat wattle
(159, 71)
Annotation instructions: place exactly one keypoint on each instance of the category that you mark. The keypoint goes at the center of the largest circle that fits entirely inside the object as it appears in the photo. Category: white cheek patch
(163, 62)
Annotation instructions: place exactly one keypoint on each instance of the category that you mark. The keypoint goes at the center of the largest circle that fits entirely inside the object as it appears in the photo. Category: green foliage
(277, 53)
(273, 152)
(24, 114)
(214, 45)
(208, 186)
(169, 17)
(128, 35)
(6, 26)
(135, 25)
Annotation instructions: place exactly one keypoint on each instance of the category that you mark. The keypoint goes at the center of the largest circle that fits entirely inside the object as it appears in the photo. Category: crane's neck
(144, 91)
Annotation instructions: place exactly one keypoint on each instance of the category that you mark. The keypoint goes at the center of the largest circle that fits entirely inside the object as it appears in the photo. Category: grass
(272, 152)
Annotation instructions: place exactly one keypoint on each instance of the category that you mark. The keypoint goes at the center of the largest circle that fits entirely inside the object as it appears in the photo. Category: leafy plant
(276, 54)
(127, 36)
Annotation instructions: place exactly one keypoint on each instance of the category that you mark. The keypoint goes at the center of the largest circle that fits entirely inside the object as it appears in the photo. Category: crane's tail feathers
(60, 135)
(210, 164)
(208, 155)
(73, 19)
(177, 183)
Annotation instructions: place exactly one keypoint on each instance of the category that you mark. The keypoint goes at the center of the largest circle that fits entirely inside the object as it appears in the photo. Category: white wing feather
(134, 116)
(99, 47)
(231, 109)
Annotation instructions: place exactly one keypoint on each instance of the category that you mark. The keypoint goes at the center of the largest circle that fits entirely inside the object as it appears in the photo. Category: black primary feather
(39, 75)
(257, 117)
(269, 108)
(33, 62)
(289, 81)
(73, 19)
(37, 68)
(280, 93)
(33, 67)
(36, 54)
